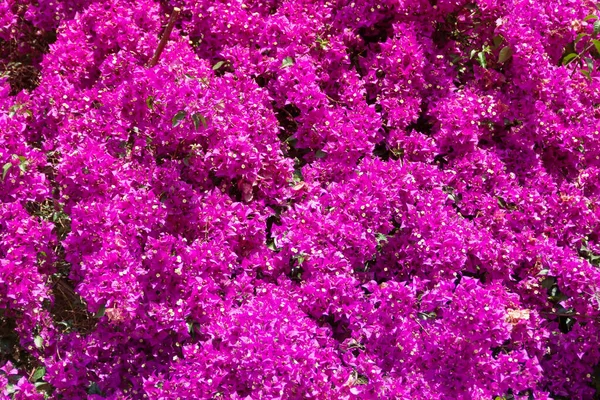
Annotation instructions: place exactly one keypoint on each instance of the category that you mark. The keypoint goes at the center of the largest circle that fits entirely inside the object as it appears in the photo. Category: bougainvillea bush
(344, 199)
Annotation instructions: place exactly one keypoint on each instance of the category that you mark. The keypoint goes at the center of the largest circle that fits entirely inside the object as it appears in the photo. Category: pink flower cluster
(343, 199)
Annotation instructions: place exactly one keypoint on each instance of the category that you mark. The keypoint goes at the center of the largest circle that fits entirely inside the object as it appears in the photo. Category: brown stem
(165, 37)
(567, 314)
(579, 56)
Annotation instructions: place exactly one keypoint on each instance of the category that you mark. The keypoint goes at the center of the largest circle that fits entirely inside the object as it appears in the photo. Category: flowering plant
(339, 199)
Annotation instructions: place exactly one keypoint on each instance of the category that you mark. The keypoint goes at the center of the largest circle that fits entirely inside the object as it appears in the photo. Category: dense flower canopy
(344, 199)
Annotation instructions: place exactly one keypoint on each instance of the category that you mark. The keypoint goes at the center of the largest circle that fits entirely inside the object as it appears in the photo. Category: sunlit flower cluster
(343, 199)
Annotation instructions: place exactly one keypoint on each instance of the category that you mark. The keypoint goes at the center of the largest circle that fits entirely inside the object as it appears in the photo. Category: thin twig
(577, 57)
(165, 37)
(567, 314)
(422, 327)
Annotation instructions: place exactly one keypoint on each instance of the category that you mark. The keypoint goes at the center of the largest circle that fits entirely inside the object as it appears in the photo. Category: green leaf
(504, 55)
(362, 380)
(288, 61)
(38, 374)
(323, 43)
(300, 258)
(381, 237)
(320, 154)
(427, 315)
(23, 164)
(596, 44)
(218, 65)
(101, 311)
(556, 296)
(544, 272)
(180, 116)
(497, 40)
(568, 58)
(196, 121)
(297, 176)
(586, 253)
(13, 110)
(455, 58)
(548, 282)
(38, 341)
(596, 27)
(586, 73)
(198, 118)
(5, 169)
(94, 389)
(10, 389)
(481, 59)
(591, 16)
(579, 37)
(590, 63)
(150, 102)
(501, 203)
(66, 324)
(42, 385)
